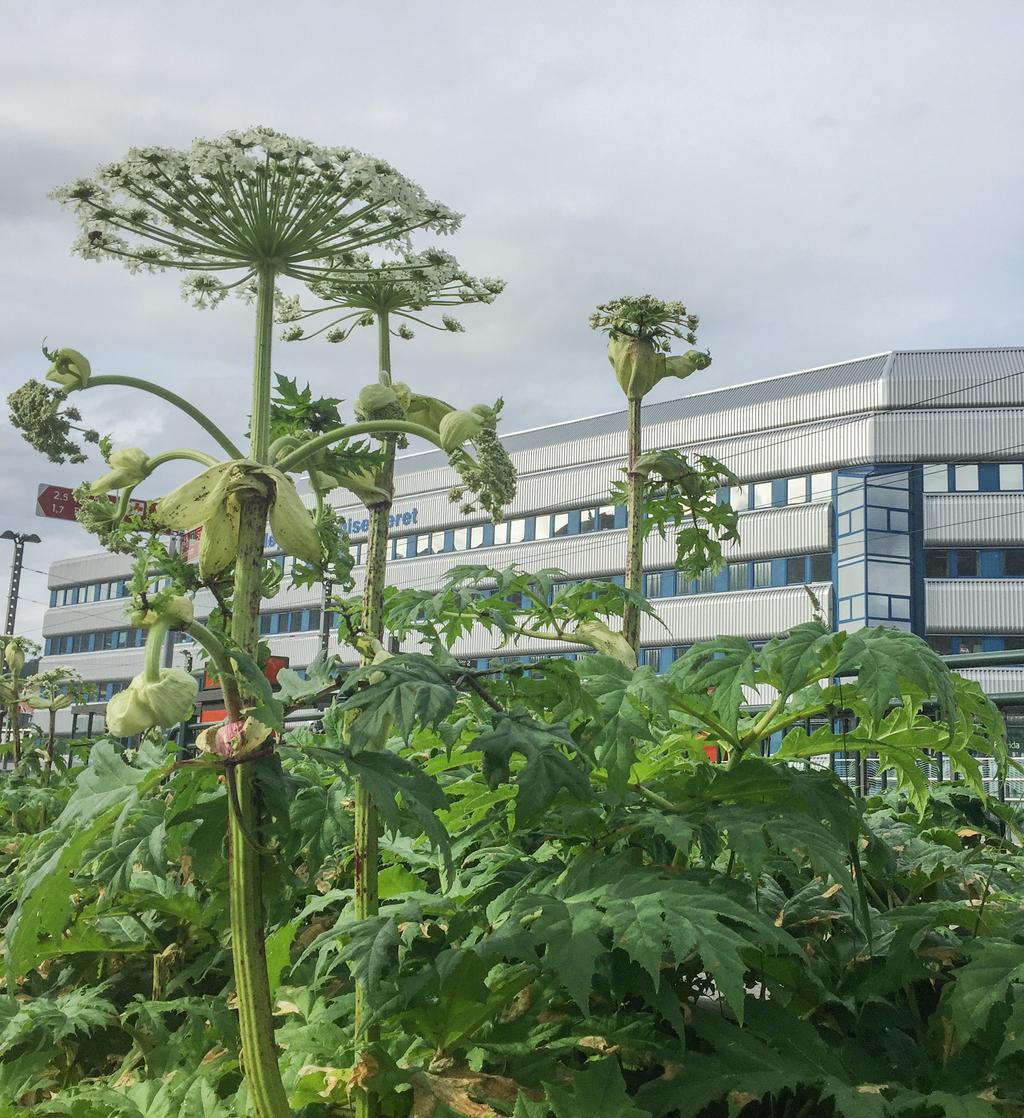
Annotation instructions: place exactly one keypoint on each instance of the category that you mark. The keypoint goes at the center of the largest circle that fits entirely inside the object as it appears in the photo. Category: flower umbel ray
(247, 201)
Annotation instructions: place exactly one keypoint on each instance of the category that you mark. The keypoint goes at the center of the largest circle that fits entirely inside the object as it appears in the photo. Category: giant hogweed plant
(390, 298)
(578, 913)
(244, 213)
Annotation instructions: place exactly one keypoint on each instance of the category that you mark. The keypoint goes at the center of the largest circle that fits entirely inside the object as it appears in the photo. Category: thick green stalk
(259, 424)
(259, 1050)
(207, 424)
(366, 855)
(634, 527)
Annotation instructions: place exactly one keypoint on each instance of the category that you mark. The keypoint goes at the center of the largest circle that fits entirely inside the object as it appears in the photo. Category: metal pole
(19, 539)
(325, 624)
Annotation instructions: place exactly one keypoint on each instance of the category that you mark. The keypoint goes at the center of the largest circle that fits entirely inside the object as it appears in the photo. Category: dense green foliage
(579, 913)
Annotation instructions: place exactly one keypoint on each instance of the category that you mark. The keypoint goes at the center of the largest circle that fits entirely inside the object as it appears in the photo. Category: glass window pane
(796, 490)
(942, 645)
(936, 562)
(966, 562)
(705, 582)
(935, 478)
(762, 495)
(542, 527)
(1011, 475)
(605, 518)
(821, 487)
(795, 570)
(762, 574)
(588, 520)
(654, 581)
(1014, 562)
(739, 576)
(821, 568)
(476, 536)
(560, 524)
(966, 478)
(738, 495)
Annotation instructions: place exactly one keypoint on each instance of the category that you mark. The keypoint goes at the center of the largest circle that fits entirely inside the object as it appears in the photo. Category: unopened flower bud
(639, 367)
(602, 639)
(177, 610)
(378, 401)
(127, 468)
(458, 428)
(14, 657)
(69, 369)
(145, 704)
(230, 739)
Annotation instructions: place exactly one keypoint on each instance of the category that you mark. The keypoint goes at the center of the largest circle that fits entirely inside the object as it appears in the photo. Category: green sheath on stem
(634, 527)
(367, 828)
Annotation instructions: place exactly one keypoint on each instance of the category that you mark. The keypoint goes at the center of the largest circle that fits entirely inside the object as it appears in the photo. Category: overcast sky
(817, 180)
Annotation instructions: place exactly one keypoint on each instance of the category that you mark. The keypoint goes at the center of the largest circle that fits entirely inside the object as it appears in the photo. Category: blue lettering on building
(395, 520)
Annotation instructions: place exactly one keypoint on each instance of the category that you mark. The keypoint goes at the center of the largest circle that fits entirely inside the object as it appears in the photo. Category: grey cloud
(815, 185)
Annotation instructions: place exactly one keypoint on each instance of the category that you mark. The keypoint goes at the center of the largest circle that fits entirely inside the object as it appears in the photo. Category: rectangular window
(651, 657)
(762, 497)
(605, 518)
(943, 645)
(762, 574)
(1013, 562)
(739, 576)
(821, 487)
(966, 478)
(405, 547)
(542, 527)
(936, 562)
(795, 570)
(936, 478)
(654, 585)
(511, 531)
(476, 536)
(1011, 475)
(796, 490)
(560, 524)
(738, 497)
(966, 562)
(821, 568)
(705, 583)
(588, 520)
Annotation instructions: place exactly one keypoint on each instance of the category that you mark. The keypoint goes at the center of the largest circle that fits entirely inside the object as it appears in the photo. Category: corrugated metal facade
(975, 605)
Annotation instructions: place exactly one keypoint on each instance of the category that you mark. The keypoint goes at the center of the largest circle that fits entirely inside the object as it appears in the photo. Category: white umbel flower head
(247, 201)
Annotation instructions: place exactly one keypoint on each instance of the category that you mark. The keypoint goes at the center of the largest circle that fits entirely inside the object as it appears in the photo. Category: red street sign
(58, 502)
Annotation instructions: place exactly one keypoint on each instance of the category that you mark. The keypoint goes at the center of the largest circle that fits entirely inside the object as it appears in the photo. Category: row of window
(68, 644)
(289, 621)
(780, 491)
(796, 570)
(96, 592)
(952, 646)
(986, 477)
(974, 562)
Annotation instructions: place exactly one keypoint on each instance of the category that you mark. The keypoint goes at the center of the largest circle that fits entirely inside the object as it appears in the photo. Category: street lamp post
(20, 539)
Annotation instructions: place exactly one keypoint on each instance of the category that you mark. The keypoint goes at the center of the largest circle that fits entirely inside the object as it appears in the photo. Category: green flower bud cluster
(38, 412)
(490, 477)
(146, 703)
(212, 501)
